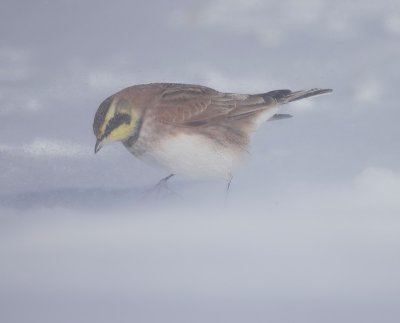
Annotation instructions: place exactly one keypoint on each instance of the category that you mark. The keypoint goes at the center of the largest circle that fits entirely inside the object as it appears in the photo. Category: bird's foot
(160, 190)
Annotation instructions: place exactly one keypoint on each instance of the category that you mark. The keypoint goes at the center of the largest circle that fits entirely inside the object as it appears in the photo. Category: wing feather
(198, 105)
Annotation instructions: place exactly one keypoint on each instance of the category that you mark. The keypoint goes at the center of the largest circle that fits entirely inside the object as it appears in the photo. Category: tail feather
(286, 96)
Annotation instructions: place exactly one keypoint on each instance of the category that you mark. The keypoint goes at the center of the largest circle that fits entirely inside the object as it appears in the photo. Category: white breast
(194, 156)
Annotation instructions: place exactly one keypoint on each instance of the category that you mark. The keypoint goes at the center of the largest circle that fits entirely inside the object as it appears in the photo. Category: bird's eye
(119, 119)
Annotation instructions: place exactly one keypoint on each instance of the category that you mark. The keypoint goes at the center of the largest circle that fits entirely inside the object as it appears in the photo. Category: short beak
(97, 147)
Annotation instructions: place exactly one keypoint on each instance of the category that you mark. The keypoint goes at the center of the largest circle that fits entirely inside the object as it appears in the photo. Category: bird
(189, 130)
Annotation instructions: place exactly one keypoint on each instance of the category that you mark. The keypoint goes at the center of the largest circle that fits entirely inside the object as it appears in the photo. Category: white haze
(311, 229)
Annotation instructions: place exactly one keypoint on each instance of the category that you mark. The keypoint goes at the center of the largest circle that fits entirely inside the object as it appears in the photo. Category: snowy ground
(311, 231)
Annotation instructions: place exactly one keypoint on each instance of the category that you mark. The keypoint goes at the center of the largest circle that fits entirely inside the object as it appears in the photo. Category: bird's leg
(228, 185)
(162, 184)
(164, 180)
(156, 190)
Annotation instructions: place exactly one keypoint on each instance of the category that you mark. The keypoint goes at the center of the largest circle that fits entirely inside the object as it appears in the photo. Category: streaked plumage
(190, 130)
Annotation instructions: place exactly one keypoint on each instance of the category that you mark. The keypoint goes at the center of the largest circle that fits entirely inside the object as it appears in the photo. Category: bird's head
(116, 120)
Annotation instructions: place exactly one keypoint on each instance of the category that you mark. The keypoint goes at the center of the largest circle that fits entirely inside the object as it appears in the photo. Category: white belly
(194, 156)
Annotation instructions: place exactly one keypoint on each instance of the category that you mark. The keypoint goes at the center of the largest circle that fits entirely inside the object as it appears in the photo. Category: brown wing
(193, 105)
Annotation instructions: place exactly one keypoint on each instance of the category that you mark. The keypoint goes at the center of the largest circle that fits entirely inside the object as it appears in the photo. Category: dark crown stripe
(101, 115)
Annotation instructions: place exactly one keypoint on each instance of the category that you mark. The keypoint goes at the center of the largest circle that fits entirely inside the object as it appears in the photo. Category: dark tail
(286, 96)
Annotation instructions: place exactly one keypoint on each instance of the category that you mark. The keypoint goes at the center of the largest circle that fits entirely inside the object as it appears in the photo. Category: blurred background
(311, 232)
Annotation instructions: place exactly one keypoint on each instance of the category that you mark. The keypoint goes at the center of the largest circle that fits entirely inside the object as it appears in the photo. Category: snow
(311, 229)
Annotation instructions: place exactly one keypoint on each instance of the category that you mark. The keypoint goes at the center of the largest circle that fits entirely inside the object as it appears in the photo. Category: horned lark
(190, 130)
